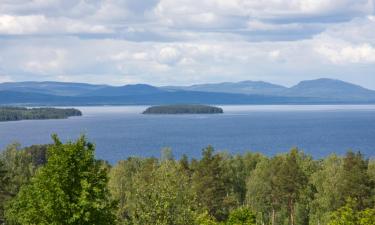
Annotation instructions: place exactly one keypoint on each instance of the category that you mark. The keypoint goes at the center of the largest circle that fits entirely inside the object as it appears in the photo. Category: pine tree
(209, 185)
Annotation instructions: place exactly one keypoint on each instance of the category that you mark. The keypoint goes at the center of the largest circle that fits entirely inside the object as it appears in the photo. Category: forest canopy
(10, 113)
(63, 183)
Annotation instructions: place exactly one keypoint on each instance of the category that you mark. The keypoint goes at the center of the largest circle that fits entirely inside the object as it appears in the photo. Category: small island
(183, 109)
(10, 113)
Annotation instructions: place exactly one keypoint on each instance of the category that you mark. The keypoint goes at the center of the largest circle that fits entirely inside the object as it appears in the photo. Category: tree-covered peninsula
(183, 109)
(9, 113)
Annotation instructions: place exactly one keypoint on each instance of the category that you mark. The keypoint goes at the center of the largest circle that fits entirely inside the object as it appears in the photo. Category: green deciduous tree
(349, 215)
(70, 189)
(19, 166)
(205, 219)
(161, 196)
(327, 197)
(241, 216)
(261, 193)
(277, 184)
(366, 217)
(121, 181)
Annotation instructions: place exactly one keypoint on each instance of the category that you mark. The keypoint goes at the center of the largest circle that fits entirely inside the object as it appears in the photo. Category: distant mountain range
(320, 88)
(320, 91)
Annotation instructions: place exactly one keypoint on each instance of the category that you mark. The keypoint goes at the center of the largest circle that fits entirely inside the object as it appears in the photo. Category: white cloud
(186, 41)
(352, 42)
(342, 53)
(45, 61)
(39, 24)
(307, 8)
(257, 25)
(169, 55)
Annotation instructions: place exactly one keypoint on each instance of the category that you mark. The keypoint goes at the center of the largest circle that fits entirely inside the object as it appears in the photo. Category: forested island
(63, 183)
(183, 109)
(10, 113)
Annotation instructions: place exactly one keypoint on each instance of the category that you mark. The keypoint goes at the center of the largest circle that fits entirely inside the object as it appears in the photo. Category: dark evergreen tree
(209, 185)
(356, 182)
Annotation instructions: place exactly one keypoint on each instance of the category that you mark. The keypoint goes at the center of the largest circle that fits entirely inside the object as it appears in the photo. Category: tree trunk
(273, 216)
(291, 211)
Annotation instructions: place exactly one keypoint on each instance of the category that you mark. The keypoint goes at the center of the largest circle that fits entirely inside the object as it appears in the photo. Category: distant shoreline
(183, 109)
(36, 105)
(11, 113)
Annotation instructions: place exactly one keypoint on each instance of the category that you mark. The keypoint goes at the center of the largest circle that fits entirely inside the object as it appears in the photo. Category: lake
(122, 131)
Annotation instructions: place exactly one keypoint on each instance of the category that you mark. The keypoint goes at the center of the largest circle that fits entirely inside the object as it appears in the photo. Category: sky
(182, 42)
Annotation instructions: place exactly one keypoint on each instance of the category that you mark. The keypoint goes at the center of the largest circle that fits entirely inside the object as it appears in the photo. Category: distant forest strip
(9, 113)
(183, 109)
(63, 183)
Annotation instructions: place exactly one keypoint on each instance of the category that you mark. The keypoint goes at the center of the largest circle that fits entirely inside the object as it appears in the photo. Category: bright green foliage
(161, 196)
(241, 216)
(366, 217)
(120, 183)
(205, 219)
(306, 194)
(276, 184)
(337, 180)
(261, 194)
(70, 189)
(348, 215)
(327, 197)
(218, 189)
(345, 215)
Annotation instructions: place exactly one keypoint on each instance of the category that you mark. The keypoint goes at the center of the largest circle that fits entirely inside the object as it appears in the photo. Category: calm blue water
(119, 132)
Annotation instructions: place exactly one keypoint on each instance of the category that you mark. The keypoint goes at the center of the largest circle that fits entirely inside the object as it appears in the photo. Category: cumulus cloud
(342, 53)
(169, 55)
(39, 24)
(186, 41)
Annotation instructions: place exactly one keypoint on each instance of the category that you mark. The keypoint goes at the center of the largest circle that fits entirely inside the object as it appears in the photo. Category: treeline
(64, 184)
(183, 109)
(8, 113)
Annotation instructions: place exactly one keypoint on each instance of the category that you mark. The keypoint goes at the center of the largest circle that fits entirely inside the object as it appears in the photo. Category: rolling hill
(328, 88)
(51, 88)
(244, 87)
(320, 91)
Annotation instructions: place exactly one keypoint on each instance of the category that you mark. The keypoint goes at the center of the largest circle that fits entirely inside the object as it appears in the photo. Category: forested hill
(22, 113)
